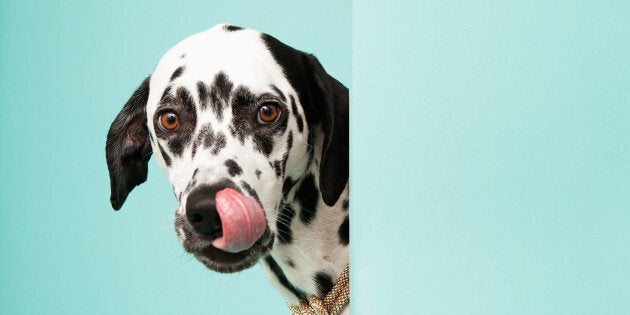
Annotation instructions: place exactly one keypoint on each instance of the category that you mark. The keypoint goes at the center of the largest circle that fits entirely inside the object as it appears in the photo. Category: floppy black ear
(128, 148)
(330, 99)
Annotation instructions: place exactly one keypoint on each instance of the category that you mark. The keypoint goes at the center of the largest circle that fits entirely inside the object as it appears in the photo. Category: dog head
(235, 118)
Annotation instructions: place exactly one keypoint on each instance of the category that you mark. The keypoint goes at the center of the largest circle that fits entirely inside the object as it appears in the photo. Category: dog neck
(311, 249)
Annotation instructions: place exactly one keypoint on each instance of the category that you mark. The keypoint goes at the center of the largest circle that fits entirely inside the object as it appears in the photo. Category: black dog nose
(201, 212)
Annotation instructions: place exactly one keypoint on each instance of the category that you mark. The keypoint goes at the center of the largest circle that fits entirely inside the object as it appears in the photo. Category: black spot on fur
(307, 194)
(311, 147)
(166, 93)
(220, 91)
(233, 168)
(277, 90)
(287, 185)
(283, 164)
(165, 156)
(243, 101)
(345, 205)
(277, 271)
(283, 224)
(232, 28)
(344, 231)
(219, 143)
(204, 137)
(209, 140)
(285, 155)
(277, 167)
(182, 56)
(237, 134)
(289, 141)
(251, 191)
(202, 91)
(296, 114)
(263, 143)
(177, 73)
(258, 172)
(290, 263)
(324, 283)
(208, 137)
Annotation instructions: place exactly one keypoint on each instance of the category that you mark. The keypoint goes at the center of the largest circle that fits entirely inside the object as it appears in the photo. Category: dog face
(235, 119)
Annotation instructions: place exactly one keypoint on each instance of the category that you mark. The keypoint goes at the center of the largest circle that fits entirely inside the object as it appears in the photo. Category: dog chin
(225, 262)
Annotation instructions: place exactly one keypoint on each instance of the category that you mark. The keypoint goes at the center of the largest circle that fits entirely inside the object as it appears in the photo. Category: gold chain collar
(333, 303)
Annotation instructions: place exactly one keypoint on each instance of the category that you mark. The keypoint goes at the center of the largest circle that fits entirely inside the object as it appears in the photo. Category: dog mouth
(227, 262)
(229, 238)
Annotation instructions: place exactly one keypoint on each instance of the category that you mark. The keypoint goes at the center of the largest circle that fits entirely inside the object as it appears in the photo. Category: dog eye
(268, 113)
(169, 120)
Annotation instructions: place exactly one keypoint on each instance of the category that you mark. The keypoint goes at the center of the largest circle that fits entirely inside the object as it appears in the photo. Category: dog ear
(330, 98)
(128, 148)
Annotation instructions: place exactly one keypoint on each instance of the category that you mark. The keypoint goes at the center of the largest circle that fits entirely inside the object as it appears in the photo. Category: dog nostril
(195, 218)
(202, 214)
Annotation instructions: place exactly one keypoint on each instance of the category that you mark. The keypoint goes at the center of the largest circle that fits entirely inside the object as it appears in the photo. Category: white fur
(246, 60)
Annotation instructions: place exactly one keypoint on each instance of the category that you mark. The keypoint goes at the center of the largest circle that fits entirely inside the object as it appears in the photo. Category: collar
(332, 304)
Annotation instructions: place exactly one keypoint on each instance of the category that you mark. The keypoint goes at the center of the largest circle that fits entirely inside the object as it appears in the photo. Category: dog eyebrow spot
(202, 91)
(233, 168)
(277, 90)
(324, 282)
(344, 231)
(165, 94)
(258, 172)
(177, 73)
(220, 91)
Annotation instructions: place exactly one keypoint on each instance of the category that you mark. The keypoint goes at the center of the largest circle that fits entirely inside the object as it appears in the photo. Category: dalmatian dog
(253, 136)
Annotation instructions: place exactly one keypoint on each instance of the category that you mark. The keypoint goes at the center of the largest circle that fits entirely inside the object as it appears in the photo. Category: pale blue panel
(66, 69)
(491, 157)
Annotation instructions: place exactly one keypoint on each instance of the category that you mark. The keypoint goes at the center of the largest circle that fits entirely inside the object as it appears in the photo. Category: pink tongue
(242, 220)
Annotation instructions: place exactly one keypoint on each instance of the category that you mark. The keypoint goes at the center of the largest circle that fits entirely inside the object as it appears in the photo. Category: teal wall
(490, 156)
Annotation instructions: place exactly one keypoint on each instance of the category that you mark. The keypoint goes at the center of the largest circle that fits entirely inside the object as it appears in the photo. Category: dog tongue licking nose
(242, 220)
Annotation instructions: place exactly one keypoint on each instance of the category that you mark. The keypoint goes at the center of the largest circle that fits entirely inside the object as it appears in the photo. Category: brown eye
(268, 113)
(169, 121)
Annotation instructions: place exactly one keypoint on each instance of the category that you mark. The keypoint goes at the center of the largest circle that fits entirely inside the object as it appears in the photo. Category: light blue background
(491, 157)
(66, 69)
